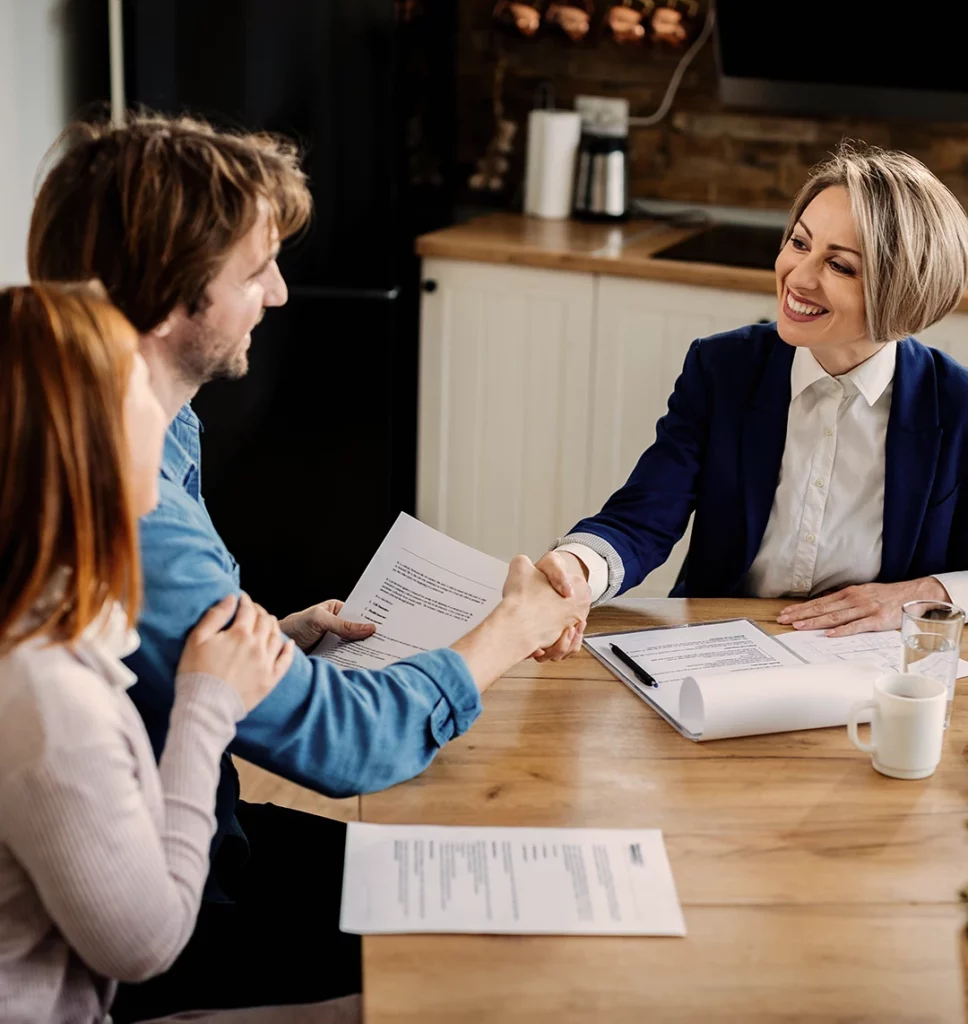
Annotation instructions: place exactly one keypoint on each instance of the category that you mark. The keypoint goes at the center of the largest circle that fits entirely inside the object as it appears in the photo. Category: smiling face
(819, 281)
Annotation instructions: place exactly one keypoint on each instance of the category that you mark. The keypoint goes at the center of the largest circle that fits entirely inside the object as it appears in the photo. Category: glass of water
(931, 638)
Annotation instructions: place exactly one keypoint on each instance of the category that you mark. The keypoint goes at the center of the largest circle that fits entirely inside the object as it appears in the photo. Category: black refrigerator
(308, 460)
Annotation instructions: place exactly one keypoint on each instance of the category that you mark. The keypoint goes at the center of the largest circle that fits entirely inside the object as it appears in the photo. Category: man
(183, 224)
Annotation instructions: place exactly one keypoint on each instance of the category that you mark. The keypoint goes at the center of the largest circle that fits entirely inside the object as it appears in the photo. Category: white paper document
(882, 649)
(529, 881)
(671, 655)
(726, 679)
(422, 590)
(721, 705)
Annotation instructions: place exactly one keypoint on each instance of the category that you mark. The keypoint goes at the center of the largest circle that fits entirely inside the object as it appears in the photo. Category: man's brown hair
(152, 207)
(68, 532)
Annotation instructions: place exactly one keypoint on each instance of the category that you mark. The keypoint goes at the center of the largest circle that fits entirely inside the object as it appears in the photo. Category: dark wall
(701, 152)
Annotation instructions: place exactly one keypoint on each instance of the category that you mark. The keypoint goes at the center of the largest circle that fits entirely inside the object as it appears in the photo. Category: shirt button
(810, 538)
(828, 432)
(819, 481)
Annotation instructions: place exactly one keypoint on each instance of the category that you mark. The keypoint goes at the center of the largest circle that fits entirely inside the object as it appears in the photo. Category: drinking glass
(931, 643)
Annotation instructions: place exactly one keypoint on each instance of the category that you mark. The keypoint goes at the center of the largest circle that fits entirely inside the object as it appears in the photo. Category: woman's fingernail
(783, 618)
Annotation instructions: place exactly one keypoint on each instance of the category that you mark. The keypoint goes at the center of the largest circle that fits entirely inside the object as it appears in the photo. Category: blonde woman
(823, 455)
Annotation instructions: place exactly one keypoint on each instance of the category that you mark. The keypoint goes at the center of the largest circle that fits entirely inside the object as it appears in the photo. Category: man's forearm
(493, 647)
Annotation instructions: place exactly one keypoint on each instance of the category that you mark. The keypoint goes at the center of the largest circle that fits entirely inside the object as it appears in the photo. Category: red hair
(65, 361)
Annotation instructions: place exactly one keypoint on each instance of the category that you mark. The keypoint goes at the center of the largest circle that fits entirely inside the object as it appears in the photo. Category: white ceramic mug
(907, 725)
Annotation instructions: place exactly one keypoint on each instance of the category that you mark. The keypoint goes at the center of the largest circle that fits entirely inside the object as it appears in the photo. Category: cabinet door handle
(429, 286)
(764, 320)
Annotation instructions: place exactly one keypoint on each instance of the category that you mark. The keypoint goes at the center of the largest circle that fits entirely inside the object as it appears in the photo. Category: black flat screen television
(890, 60)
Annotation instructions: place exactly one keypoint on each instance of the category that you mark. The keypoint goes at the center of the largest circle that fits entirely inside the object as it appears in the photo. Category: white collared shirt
(826, 524)
(825, 528)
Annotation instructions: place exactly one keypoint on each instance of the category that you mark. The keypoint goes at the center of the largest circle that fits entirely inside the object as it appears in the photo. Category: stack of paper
(723, 679)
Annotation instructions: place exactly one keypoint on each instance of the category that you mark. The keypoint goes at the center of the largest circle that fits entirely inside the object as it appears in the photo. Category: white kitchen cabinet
(504, 393)
(541, 388)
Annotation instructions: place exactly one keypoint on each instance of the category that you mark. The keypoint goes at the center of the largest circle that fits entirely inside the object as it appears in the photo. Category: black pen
(637, 669)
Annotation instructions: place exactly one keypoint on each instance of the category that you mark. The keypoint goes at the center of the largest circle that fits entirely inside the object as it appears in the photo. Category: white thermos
(553, 137)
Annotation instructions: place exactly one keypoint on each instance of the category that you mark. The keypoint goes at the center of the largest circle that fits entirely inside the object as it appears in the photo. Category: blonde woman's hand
(250, 656)
(863, 608)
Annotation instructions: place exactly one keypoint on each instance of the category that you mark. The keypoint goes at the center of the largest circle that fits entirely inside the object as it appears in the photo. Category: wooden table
(814, 889)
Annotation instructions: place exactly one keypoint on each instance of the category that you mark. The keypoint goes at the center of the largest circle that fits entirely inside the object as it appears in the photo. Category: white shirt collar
(105, 642)
(871, 378)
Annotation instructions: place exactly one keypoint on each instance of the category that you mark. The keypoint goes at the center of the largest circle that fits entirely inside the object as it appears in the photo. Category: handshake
(550, 600)
(542, 616)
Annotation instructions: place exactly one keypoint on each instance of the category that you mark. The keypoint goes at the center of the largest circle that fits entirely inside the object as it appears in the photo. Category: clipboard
(664, 699)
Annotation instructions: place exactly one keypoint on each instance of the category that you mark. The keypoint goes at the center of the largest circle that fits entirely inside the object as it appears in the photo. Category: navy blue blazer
(718, 450)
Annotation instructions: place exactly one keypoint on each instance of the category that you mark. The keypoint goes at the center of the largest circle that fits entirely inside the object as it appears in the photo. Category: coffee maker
(601, 176)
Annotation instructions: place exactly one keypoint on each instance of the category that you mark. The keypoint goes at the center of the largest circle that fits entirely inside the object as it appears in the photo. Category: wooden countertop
(623, 250)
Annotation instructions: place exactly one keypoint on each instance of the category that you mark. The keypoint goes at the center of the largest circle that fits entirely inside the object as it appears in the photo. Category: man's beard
(204, 354)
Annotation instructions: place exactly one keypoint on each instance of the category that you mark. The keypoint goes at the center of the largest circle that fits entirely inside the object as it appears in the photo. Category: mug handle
(855, 713)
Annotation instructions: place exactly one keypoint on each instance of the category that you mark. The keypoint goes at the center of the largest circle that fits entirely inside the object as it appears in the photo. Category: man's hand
(307, 626)
(861, 609)
(566, 574)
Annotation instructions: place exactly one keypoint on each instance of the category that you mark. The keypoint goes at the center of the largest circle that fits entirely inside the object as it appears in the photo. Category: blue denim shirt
(337, 731)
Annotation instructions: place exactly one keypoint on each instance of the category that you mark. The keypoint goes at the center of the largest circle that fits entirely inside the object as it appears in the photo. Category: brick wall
(701, 152)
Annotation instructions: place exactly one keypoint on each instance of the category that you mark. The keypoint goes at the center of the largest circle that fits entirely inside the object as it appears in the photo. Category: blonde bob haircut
(913, 236)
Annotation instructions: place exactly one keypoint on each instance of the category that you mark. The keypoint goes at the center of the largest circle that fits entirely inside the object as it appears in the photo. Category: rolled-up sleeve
(338, 731)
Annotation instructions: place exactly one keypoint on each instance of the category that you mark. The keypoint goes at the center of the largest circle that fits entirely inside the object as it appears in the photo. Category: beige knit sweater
(103, 854)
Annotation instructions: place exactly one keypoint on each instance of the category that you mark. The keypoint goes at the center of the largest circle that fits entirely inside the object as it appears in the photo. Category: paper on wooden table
(399, 879)
(720, 680)
(715, 706)
(672, 653)
(882, 648)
